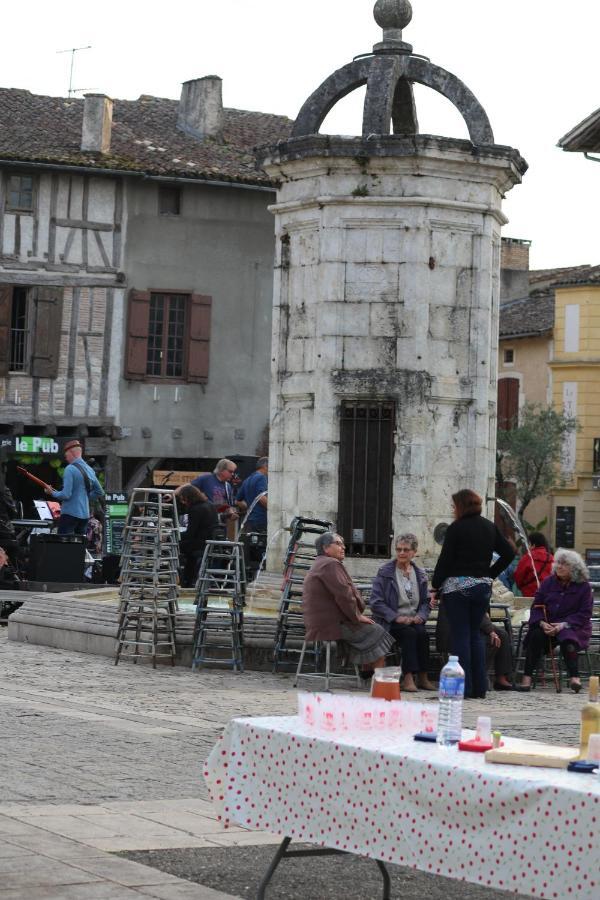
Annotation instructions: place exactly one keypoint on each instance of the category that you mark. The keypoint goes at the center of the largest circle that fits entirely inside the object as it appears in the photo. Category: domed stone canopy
(389, 74)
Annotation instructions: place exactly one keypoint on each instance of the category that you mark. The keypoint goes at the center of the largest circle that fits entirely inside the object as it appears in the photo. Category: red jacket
(524, 577)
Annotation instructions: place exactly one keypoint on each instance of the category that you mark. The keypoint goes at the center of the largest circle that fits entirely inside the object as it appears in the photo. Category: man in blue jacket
(80, 485)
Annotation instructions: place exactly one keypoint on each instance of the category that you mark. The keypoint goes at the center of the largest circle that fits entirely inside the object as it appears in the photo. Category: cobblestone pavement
(100, 758)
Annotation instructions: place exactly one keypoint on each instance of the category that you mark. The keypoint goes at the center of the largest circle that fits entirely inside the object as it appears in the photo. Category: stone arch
(389, 81)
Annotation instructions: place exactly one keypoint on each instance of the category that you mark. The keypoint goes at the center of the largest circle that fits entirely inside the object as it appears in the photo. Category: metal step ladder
(149, 577)
(220, 597)
(299, 557)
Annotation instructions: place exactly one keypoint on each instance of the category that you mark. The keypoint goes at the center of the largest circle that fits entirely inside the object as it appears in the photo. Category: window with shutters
(30, 324)
(366, 476)
(19, 196)
(168, 336)
(508, 403)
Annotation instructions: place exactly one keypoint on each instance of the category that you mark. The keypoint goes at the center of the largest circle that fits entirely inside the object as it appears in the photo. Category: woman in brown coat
(333, 609)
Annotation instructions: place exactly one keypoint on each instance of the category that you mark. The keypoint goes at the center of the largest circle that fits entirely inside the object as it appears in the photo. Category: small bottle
(590, 718)
(452, 691)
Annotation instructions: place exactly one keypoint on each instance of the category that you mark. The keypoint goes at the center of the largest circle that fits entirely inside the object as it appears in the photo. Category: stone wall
(386, 287)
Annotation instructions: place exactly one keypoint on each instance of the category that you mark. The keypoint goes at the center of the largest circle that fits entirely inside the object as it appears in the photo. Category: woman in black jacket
(464, 575)
(202, 520)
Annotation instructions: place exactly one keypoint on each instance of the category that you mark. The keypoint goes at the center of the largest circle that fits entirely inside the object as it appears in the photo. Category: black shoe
(575, 686)
(365, 674)
(498, 686)
(523, 688)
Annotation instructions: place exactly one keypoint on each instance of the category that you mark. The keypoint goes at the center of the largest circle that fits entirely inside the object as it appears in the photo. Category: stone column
(386, 287)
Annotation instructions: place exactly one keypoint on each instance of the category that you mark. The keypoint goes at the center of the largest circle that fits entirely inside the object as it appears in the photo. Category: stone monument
(386, 297)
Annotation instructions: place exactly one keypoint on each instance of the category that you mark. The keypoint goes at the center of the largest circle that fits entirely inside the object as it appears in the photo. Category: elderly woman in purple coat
(399, 602)
(561, 614)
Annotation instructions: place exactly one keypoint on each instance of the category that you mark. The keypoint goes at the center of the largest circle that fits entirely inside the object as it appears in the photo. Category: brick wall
(515, 254)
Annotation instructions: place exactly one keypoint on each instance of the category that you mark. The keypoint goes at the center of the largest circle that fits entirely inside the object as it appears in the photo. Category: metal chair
(327, 674)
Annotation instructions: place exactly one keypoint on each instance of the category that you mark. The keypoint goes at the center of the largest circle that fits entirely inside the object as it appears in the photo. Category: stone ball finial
(392, 14)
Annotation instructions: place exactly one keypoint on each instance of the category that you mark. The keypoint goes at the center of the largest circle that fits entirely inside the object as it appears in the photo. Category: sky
(531, 63)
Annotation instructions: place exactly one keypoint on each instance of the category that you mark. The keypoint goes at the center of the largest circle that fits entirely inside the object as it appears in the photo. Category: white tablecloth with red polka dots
(521, 829)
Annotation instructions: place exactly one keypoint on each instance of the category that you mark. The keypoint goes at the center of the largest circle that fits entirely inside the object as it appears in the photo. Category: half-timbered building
(136, 253)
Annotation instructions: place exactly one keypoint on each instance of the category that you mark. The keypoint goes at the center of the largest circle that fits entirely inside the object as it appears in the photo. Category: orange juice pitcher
(386, 683)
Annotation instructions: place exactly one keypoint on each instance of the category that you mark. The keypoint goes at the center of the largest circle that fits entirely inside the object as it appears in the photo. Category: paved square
(100, 759)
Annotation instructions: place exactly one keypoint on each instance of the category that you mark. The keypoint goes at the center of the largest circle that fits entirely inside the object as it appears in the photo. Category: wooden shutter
(508, 403)
(138, 324)
(199, 337)
(5, 313)
(45, 336)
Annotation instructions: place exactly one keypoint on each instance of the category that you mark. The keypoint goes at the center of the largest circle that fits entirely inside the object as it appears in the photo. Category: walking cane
(555, 675)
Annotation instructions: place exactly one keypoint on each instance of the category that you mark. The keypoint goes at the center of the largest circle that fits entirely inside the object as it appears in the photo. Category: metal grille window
(20, 193)
(166, 346)
(19, 331)
(366, 476)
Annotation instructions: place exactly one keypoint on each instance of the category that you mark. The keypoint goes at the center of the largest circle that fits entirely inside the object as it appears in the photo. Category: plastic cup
(483, 730)
(593, 752)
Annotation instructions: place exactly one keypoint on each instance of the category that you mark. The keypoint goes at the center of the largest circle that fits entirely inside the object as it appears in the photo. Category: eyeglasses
(339, 544)
(404, 549)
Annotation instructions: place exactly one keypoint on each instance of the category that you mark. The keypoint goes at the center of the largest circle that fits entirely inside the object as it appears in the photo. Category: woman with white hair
(561, 614)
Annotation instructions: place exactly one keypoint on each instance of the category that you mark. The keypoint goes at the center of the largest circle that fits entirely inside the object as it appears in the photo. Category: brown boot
(408, 684)
(424, 683)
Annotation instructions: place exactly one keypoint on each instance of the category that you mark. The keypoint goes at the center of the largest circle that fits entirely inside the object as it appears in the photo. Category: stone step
(91, 627)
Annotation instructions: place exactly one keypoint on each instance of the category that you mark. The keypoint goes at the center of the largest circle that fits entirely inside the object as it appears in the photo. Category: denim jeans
(465, 611)
(71, 524)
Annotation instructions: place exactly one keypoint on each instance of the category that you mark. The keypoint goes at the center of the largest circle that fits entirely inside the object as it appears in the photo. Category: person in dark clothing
(9, 580)
(463, 574)
(8, 511)
(252, 500)
(497, 647)
(561, 614)
(202, 521)
(399, 602)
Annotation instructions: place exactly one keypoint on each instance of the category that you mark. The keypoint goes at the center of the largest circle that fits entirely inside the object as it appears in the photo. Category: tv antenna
(73, 51)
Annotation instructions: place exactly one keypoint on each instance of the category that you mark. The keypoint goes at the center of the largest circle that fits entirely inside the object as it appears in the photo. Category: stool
(220, 599)
(327, 674)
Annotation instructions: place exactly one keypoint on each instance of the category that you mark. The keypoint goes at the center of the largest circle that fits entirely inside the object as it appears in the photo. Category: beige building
(549, 352)
(575, 369)
(525, 348)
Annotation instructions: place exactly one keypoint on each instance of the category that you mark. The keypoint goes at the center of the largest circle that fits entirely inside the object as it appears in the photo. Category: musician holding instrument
(80, 485)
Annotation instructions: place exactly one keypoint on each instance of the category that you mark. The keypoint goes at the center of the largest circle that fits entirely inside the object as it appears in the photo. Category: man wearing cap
(80, 485)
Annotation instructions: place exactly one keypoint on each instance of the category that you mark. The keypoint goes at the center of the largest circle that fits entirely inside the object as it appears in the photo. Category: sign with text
(35, 444)
(173, 479)
(116, 510)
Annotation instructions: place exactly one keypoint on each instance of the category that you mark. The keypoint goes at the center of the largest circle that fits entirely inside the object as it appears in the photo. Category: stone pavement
(98, 758)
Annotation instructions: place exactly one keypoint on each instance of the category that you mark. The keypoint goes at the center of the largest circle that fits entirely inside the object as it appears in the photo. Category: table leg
(387, 884)
(282, 852)
(271, 870)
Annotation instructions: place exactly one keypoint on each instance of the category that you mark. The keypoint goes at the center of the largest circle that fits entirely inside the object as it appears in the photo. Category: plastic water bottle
(452, 691)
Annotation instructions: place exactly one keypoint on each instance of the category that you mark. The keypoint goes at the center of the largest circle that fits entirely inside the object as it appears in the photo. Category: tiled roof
(534, 315)
(145, 138)
(590, 275)
(551, 276)
(584, 137)
(530, 316)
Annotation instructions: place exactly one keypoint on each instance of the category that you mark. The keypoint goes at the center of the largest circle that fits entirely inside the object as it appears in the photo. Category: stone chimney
(201, 107)
(514, 271)
(97, 123)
